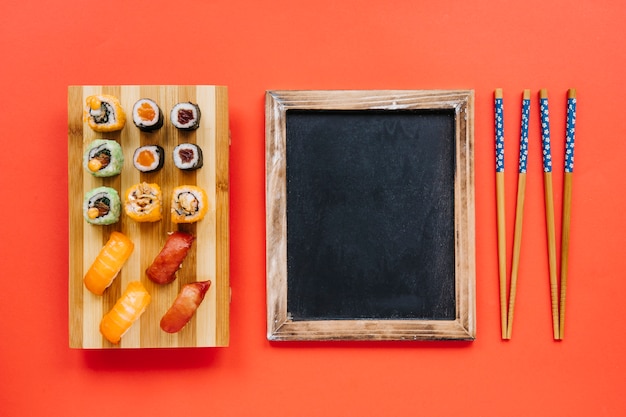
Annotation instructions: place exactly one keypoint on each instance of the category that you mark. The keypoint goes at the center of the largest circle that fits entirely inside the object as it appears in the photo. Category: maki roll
(188, 156)
(189, 204)
(185, 116)
(148, 158)
(143, 202)
(102, 206)
(104, 113)
(103, 158)
(147, 115)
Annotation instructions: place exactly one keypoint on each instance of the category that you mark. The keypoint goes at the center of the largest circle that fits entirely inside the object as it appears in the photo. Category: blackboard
(370, 215)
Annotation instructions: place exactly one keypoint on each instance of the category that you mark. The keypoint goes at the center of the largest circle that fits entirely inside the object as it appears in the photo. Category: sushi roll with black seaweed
(101, 206)
(104, 113)
(147, 115)
(188, 156)
(103, 158)
(185, 116)
(148, 158)
(189, 204)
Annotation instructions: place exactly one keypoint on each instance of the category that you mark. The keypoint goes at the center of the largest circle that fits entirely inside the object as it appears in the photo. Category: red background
(326, 44)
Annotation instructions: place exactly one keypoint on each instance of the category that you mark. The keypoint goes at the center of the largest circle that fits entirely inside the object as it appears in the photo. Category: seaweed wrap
(101, 206)
(185, 116)
(187, 156)
(142, 202)
(189, 204)
(148, 158)
(103, 158)
(147, 115)
(104, 113)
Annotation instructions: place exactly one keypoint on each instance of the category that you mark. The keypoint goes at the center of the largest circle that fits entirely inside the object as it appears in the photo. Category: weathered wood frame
(280, 327)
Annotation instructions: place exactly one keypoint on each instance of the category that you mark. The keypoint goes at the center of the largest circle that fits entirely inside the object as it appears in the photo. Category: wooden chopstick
(549, 203)
(500, 204)
(567, 202)
(519, 210)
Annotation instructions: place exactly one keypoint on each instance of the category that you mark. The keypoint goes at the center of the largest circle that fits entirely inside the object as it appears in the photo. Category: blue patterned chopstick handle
(499, 125)
(570, 134)
(545, 134)
(523, 146)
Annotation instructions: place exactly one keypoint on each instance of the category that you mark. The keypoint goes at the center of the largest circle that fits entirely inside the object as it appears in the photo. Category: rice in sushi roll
(189, 204)
(148, 158)
(185, 116)
(143, 202)
(188, 156)
(104, 113)
(102, 206)
(103, 158)
(147, 115)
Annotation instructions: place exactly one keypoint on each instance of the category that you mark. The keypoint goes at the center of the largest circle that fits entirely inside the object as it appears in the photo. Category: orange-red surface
(327, 44)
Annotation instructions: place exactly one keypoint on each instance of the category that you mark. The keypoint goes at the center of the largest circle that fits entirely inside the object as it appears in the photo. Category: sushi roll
(142, 202)
(185, 116)
(187, 156)
(104, 113)
(102, 206)
(147, 115)
(148, 158)
(189, 204)
(103, 158)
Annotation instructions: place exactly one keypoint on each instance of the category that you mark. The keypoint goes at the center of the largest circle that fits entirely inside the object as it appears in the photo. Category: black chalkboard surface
(370, 229)
(370, 214)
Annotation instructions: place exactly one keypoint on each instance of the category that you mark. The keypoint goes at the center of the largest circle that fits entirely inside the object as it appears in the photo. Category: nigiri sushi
(169, 260)
(184, 306)
(108, 263)
(128, 308)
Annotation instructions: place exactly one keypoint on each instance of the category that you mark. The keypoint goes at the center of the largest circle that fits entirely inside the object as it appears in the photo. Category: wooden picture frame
(457, 106)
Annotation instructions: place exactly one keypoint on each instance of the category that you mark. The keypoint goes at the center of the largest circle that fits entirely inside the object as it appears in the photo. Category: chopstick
(500, 204)
(519, 210)
(549, 204)
(567, 201)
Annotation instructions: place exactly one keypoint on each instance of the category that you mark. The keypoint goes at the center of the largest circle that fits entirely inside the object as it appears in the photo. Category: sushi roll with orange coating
(103, 158)
(108, 263)
(142, 202)
(148, 158)
(127, 310)
(189, 204)
(185, 116)
(104, 113)
(147, 115)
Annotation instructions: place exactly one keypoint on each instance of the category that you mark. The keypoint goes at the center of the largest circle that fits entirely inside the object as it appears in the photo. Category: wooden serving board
(209, 255)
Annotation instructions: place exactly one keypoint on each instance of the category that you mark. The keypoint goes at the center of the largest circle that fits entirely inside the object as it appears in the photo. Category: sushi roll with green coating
(101, 206)
(147, 115)
(188, 156)
(185, 116)
(148, 158)
(104, 113)
(103, 158)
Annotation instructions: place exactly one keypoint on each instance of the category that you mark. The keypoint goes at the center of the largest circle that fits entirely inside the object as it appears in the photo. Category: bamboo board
(209, 255)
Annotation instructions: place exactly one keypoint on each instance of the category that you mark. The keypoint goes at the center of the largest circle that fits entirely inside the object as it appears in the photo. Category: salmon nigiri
(128, 308)
(108, 263)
